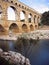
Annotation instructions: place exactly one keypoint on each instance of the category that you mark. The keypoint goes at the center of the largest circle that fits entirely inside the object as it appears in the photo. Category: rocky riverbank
(12, 58)
(38, 34)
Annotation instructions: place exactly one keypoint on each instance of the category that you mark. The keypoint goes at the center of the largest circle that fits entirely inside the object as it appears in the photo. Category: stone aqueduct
(19, 25)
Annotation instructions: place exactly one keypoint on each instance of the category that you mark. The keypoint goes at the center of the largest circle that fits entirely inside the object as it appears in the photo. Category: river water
(36, 50)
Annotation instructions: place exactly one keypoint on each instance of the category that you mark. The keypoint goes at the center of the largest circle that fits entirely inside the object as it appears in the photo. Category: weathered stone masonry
(18, 25)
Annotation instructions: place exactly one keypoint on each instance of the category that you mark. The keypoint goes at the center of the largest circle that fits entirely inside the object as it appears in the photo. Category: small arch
(30, 18)
(19, 5)
(22, 6)
(15, 3)
(36, 27)
(38, 19)
(25, 7)
(31, 27)
(24, 28)
(34, 18)
(11, 1)
(14, 28)
(22, 16)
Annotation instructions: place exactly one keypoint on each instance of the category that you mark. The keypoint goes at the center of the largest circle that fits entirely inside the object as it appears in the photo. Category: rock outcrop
(14, 58)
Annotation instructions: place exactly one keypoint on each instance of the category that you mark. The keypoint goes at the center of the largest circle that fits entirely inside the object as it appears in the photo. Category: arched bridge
(24, 19)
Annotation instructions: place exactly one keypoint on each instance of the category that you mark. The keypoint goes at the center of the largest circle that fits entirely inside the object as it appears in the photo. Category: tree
(45, 18)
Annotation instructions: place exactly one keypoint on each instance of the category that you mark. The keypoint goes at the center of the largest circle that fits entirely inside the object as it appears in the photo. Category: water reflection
(11, 45)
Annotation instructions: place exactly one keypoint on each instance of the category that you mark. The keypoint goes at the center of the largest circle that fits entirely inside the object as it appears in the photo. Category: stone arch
(22, 6)
(11, 13)
(30, 17)
(31, 27)
(24, 28)
(38, 19)
(14, 28)
(11, 1)
(36, 26)
(16, 3)
(19, 5)
(34, 18)
(22, 16)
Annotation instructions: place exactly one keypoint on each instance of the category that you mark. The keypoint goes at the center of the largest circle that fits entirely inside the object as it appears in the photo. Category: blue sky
(39, 5)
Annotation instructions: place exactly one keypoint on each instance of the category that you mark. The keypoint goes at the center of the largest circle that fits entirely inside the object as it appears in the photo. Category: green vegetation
(45, 18)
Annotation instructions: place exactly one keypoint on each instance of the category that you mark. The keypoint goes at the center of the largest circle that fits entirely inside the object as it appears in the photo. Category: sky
(39, 5)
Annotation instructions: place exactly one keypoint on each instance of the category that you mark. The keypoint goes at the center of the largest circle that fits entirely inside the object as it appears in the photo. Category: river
(36, 50)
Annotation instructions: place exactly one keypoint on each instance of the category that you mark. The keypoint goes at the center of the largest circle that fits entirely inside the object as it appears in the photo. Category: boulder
(14, 58)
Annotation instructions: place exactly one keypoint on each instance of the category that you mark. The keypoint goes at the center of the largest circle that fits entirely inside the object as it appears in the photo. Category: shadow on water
(36, 50)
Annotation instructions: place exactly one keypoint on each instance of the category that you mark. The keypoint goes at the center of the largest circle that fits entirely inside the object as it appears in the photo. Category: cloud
(41, 8)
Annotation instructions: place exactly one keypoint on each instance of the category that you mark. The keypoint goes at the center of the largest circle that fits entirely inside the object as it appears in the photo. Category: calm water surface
(37, 53)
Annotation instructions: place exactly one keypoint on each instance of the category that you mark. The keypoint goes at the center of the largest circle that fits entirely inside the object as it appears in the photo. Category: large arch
(30, 18)
(22, 16)
(14, 28)
(11, 13)
(31, 27)
(24, 28)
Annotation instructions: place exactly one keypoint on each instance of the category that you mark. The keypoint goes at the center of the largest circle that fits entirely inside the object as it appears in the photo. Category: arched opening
(11, 1)
(31, 28)
(11, 13)
(34, 18)
(22, 6)
(30, 18)
(38, 20)
(22, 16)
(14, 28)
(36, 27)
(15, 3)
(24, 28)
(0, 11)
(19, 5)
